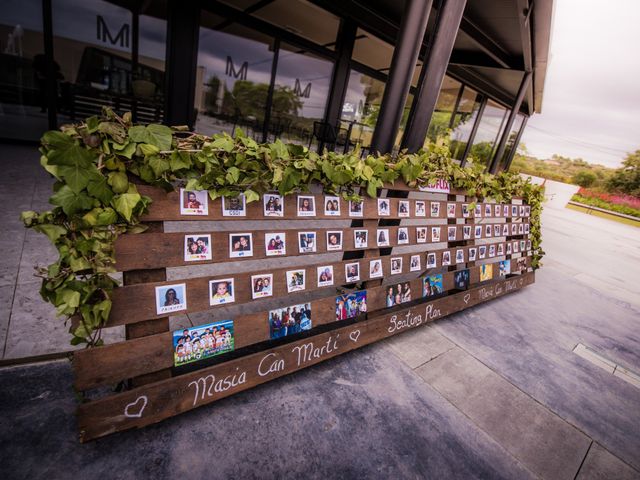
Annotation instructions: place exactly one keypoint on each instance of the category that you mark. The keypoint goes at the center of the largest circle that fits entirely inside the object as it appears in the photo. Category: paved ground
(495, 392)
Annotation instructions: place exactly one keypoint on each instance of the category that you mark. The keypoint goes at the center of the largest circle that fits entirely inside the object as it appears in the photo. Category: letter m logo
(297, 89)
(231, 71)
(103, 33)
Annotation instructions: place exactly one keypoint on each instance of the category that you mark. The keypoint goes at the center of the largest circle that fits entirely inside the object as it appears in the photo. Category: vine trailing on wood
(97, 163)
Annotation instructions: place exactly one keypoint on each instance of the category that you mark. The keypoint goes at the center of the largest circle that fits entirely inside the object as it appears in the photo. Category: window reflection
(511, 141)
(488, 134)
(360, 108)
(465, 118)
(446, 104)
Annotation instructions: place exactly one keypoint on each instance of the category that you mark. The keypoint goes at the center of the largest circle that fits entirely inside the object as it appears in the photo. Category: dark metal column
(51, 88)
(515, 145)
(340, 77)
(474, 130)
(455, 107)
(524, 86)
(182, 52)
(272, 84)
(436, 63)
(403, 64)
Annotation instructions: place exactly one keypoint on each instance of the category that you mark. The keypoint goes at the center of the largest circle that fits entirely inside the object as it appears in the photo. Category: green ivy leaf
(159, 136)
(99, 188)
(223, 143)
(125, 203)
(179, 161)
(78, 177)
(70, 201)
(118, 181)
(138, 134)
(251, 196)
(78, 264)
(53, 232)
(158, 164)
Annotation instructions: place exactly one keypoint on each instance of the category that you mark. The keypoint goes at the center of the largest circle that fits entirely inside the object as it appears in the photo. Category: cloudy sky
(591, 105)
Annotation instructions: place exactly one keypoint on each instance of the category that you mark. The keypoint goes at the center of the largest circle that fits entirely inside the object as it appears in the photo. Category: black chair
(325, 134)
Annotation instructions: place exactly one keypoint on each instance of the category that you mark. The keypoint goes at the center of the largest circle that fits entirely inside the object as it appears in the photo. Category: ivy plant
(98, 163)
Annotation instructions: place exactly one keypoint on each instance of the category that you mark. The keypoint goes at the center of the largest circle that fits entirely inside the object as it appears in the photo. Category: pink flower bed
(615, 198)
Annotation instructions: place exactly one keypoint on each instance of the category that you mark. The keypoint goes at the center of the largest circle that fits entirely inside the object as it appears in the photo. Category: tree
(584, 178)
(627, 178)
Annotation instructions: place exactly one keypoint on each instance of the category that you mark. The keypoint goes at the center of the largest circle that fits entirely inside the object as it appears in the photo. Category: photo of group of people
(332, 206)
(360, 238)
(306, 242)
(171, 298)
(221, 291)
(397, 294)
(414, 263)
(461, 279)
(384, 207)
(234, 206)
(404, 208)
(273, 205)
(197, 247)
(205, 341)
(421, 209)
(355, 208)
(261, 285)
(289, 320)
(521, 264)
(403, 235)
(432, 285)
(325, 276)
(504, 268)
(240, 245)
(451, 210)
(351, 305)
(296, 280)
(275, 244)
(194, 202)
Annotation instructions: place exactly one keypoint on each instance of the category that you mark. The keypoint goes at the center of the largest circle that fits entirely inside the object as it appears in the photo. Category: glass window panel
(23, 100)
(488, 134)
(300, 94)
(372, 51)
(233, 76)
(441, 118)
(466, 116)
(511, 140)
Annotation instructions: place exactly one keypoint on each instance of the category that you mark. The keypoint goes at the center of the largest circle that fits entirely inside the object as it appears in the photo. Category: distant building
(383, 74)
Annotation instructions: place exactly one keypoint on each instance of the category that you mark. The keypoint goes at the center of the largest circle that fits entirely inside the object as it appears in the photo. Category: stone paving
(494, 392)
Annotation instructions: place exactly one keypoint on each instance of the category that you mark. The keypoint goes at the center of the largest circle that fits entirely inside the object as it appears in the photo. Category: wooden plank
(137, 302)
(155, 402)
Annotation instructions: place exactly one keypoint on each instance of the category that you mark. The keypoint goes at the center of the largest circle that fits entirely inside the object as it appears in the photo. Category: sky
(591, 101)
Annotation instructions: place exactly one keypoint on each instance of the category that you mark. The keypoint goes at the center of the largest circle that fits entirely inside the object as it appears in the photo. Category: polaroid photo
(435, 234)
(295, 280)
(414, 263)
(451, 210)
(171, 298)
(360, 239)
(497, 209)
(527, 211)
(526, 229)
(351, 305)
(492, 251)
(240, 245)
(325, 276)
(221, 291)
(375, 269)
(461, 279)
(482, 251)
(487, 210)
(514, 210)
(234, 206)
(334, 240)
(275, 244)
(520, 228)
(197, 247)
(528, 244)
(465, 210)
(505, 210)
(204, 341)
(516, 246)
(431, 260)
(514, 228)
(289, 320)
(521, 264)
(307, 242)
(432, 285)
(403, 235)
(496, 230)
(477, 212)
(504, 268)
(273, 205)
(472, 254)
(421, 234)
(331, 206)
(500, 249)
(352, 272)
(487, 231)
(477, 231)
(396, 265)
(382, 237)
(384, 207)
(404, 209)
(306, 206)
(451, 233)
(194, 202)
(460, 256)
(355, 208)
(521, 211)
(505, 229)
(446, 258)
(398, 294)
(508, 251)
(435, 209)
(523, 245)
(466, 232)
(261, 285)
(421, 208)
(486, 272)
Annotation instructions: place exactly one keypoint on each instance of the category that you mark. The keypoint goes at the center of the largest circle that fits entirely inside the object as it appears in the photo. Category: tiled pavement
(495, 392)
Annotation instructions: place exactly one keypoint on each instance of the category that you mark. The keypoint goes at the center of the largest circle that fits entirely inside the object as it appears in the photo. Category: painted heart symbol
(467, 297)
(355, 335)
(130, 409)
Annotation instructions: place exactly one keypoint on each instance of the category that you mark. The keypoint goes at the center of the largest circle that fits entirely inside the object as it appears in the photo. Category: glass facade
(488, 134)
(361, 107)
(465, 118)
(445, 106)
(511, 141)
